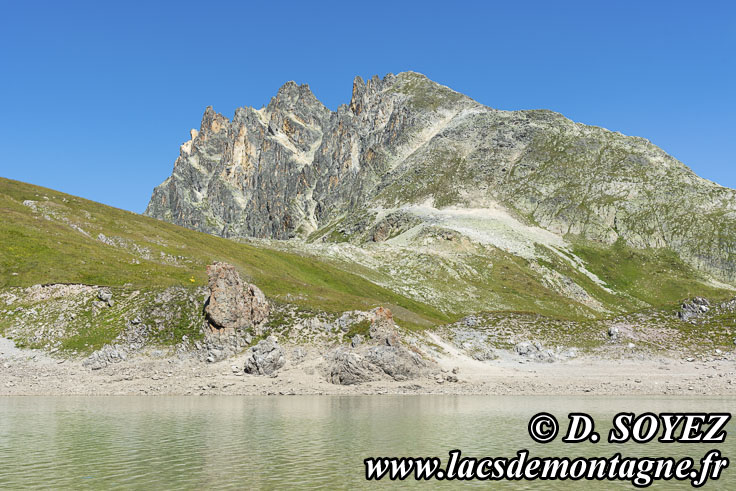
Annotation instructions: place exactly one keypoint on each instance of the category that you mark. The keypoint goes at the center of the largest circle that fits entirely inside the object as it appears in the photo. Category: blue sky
(97, 97)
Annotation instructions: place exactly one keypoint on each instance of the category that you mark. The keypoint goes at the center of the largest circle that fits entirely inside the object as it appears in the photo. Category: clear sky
(97, 97)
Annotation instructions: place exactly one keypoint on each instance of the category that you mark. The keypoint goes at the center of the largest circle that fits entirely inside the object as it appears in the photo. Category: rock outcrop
(232, 303)
(535, 351)
(381, 356)
(265, 358)
(233, 309)
(693, 308)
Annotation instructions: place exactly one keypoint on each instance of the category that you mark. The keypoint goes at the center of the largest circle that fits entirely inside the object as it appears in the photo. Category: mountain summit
(408, 156)
(293, 166)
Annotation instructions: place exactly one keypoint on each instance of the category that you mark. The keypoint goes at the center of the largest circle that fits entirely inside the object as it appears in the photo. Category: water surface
(308, 442)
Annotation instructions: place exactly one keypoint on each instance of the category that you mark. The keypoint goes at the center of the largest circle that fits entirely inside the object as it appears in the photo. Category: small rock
(484, 354)
(214, 355)
(524, 348)
(105, 295)
(383, 328)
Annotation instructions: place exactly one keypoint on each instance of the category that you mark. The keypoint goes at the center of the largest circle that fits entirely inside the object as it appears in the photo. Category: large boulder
(265, 358)
(381, 356)
(397, 362)
(233, 304)
(533, 350)
(348, 367)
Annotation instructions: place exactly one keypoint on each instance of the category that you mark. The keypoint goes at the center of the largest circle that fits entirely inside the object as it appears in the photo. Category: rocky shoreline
(34, 373)
(229, 338)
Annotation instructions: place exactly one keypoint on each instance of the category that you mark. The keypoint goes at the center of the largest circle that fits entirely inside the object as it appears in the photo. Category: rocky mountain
(414, 173)
(90, 288)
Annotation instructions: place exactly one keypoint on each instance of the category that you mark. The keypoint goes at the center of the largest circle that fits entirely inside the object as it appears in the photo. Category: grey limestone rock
(381, 356)
(693, 308)
(348, 367)
(535, 351)
(265, 358)
(356, 340)
(613, 333)
(104, 295)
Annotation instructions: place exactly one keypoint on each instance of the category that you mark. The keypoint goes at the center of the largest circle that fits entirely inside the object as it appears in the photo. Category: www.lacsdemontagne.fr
(641, 471)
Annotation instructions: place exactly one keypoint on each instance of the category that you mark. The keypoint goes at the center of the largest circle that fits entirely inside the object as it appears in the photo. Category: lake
(301, 441)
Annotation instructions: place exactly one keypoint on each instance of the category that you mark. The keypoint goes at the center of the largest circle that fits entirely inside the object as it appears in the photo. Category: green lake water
(301, 442)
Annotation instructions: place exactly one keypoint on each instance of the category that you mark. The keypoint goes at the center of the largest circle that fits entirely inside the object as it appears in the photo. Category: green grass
(657, 277)
(512, 280)
(363, 328)
(35, 250)
(170, 314)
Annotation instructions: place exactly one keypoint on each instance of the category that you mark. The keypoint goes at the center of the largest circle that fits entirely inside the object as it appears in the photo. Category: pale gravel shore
(26, 372)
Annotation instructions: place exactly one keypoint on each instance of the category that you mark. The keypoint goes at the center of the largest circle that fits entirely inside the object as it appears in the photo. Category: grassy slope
(657, 277)
(50, 250)
(466, 279)
(34, 249)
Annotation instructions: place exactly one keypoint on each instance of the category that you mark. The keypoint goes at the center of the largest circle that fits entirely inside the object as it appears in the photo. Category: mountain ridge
(295, 169)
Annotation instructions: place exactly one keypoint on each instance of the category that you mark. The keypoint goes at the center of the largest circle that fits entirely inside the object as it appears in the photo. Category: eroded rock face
(233, 304)
(348, 367)
(398, 362)
(382, 356)
(265, 358)
(233, 309)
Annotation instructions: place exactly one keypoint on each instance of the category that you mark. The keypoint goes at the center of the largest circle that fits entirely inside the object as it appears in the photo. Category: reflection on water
(321, 441)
